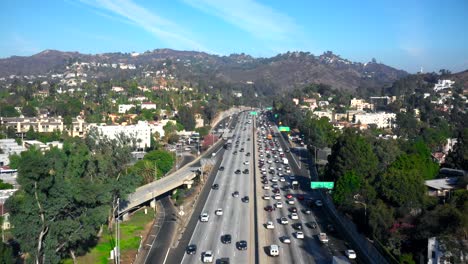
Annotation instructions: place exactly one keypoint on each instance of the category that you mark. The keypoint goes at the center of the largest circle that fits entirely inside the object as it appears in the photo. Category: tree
(31, 134)
(154, 165)
(406, 125)
(351, 152)
(458, 156)
(67, 195)
(8, 111)
(402, 184)
(5, 186)
(346, 187)
(6, 254)
(386, 151)
(380, 219)
(29, 110)
(186, 118)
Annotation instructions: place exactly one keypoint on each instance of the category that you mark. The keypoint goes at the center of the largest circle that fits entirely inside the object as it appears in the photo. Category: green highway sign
(253, 113)
(269, 108)
(322, 185)
(276, 115)
(284, 129)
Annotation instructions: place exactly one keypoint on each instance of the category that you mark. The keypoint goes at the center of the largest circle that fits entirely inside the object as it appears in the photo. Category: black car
(269, 208)
(226, 239)
(242, 245)
(331, 228)
(221, 168)
(237, 172)
(297, 226)
(215, 186)
(235, 194)
(191, 249)
(241, 150)
(293, 210)
(312, 225)
(222, 261)
(248, 154)
(245, 199)
(246, 171)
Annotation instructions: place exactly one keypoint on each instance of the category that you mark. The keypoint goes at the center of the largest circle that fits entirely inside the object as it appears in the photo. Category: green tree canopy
(351, 152)
(403, 183)
(186, 118)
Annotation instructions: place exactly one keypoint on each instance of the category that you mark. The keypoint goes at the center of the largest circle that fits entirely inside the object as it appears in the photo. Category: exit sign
(322, 185)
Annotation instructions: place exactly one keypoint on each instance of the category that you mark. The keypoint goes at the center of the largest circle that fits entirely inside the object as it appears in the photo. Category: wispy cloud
(259, 20)
(127, 11)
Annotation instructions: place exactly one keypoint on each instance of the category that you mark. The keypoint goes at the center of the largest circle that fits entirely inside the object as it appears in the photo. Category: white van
(274, 250)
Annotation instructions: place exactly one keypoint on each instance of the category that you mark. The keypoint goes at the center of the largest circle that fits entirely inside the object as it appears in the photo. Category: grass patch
(130, 232)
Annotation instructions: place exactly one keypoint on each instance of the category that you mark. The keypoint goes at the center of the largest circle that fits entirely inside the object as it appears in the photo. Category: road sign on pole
(284, 129)
(269, 108)
(253, 113)
(322, 185)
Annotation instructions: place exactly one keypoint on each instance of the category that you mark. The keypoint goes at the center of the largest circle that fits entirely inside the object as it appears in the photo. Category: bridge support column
(125, 217)
(188, 184)
(153, 204)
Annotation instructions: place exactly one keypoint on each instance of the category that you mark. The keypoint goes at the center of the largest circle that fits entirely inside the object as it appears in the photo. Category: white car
(284, 220)
(290, 201)
(266, 187)
(263, 172)
(286, 240)
(351, 254)
(246, 162)
(318, 203)
(300, 235)
(263, 169)
(204, 217)
(282, 179)
(277, 196)
(279, 205)
(274, 179)
(208, 256)
(269, 225)
(266, 197)
(280, 169)
(294, 216)
(219, 211)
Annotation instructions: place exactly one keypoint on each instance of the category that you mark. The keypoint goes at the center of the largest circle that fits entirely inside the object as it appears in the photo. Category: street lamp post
(365, 207)
(117, 235)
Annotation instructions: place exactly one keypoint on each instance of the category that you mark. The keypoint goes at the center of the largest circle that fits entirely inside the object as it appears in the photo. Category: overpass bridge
(183, 176)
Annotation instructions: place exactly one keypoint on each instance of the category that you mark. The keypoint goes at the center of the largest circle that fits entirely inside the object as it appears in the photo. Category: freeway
(313, 220)
(237, 217)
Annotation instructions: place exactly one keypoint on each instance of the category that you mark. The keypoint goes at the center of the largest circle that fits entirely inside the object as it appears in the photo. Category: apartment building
(381, 120)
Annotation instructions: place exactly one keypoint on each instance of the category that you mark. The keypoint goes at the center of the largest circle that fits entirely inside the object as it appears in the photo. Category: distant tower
(421, 71)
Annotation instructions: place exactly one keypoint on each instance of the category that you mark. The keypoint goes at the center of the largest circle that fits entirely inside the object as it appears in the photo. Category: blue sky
(405, 34)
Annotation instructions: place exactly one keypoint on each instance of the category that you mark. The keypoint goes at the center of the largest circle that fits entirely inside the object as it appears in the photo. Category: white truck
(323, 238)
(285, 161)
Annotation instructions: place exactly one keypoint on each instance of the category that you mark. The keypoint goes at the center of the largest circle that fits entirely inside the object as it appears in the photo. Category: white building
(141, 132)
(148, 105)
(382, 119)
(320, 114)
(124, 108)
(360, 104)
(443, 84)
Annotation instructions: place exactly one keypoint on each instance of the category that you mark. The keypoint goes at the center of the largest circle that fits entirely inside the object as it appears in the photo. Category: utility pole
(117, 235)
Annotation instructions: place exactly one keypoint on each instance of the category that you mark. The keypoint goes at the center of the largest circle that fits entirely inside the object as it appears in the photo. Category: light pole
(363, 203)
(117, 235)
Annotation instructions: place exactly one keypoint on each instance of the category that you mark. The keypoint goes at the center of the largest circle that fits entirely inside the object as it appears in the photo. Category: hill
(283, 71)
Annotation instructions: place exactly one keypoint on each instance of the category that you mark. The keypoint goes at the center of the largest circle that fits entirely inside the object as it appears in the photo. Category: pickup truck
(323, 238)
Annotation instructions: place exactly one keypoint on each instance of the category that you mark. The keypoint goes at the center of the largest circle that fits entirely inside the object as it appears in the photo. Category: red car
(300, 197)
(289, 196)
(276, 190)
(269, 208)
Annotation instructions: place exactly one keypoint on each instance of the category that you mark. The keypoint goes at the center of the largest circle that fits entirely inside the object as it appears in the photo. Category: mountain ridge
(286, 70)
